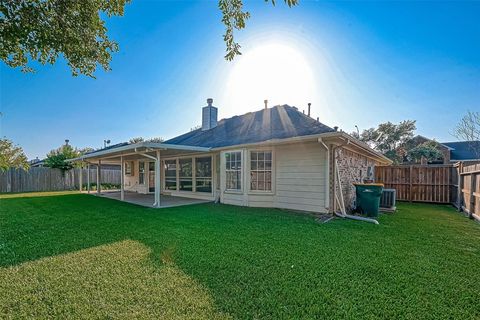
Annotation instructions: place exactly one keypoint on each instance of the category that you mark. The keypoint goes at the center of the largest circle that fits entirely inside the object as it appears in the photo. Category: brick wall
(353, 168)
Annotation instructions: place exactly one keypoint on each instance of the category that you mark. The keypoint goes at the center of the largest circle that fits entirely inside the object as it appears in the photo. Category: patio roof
(135, 149)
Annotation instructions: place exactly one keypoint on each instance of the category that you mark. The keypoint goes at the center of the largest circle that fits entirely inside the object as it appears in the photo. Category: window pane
(170, 184)
(203, 185)
(261, 171)
(261, 165)
(268, 165)
(203, 167)
(185, 169)
(186, 184)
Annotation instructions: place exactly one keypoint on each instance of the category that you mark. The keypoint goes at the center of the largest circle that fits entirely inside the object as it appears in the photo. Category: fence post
(460, 186)
(9, 180)
(471, 205)
(410, 196)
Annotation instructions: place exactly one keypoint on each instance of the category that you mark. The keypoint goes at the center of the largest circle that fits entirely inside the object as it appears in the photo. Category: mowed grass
(82, 256)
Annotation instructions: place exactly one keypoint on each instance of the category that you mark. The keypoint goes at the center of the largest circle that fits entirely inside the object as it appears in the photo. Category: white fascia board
(135, 146)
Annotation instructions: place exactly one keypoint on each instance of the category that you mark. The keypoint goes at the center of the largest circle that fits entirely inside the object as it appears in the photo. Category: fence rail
(469, 192)
(48, 179)
(420, 183)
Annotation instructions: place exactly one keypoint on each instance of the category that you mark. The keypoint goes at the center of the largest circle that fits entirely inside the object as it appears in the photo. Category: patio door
(151, 177)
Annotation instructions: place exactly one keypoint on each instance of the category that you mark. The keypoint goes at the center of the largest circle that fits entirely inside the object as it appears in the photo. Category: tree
(234, 17)
(427, 150)
(469, 130)
(42, 30)
(141, 139)
(12, 156)
(57, 158)
(389, 138)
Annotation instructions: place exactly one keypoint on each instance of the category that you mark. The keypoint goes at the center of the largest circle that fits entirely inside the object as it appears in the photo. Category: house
(452, 152)
(465, 151)
(275, 157)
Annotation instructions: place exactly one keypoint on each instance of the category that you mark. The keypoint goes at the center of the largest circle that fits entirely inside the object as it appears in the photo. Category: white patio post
(122, 179)
(80, 177)
(88, 177)
(157, 180)
(99, 172)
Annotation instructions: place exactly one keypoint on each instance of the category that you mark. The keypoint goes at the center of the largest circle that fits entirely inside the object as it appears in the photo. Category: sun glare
(276, 72)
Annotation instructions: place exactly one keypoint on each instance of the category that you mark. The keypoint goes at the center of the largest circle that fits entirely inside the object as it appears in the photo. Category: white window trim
(194, 177)
(144, 173)
(260, 192)
(211, 176)
(242, 170)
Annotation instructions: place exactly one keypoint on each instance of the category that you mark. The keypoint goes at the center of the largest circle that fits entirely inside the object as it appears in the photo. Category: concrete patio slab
(147, 200)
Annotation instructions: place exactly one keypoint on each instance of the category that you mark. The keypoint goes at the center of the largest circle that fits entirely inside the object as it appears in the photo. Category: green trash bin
(368, 198)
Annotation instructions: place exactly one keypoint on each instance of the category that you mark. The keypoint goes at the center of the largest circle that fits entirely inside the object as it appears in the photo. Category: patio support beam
(122, 179)
(80, 177)
(99, 172)
(88, 177)
(157, 180)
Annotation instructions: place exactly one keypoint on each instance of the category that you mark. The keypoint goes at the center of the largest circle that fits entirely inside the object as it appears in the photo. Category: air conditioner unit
(387, 200)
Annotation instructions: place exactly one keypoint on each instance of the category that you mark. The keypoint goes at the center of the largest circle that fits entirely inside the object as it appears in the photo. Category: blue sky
(358, 63)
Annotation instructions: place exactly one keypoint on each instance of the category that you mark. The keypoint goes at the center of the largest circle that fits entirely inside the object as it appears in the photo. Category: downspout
(327, 179)
(343, 213)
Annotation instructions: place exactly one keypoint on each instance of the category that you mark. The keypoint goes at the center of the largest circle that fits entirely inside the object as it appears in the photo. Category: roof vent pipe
(209, 116)
(309, 105)
(335, 128)
(266, 103)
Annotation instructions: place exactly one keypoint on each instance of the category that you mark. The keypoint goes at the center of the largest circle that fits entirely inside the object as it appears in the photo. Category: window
(233, 163)
(141, 172)
(261, 170)
(203, 174)
(170, 174)
(129, 168)
(185, 174)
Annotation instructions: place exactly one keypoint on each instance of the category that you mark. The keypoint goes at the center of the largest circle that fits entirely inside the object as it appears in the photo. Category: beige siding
(298, 176)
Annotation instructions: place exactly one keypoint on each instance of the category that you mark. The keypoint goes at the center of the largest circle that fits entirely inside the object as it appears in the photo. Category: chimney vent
(309, 105)
(209, 116)
(266, 103)
(335, 128)
(318, 119)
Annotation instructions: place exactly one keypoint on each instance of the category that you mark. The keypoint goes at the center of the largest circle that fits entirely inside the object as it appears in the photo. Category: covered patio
(152, 178)
(147, 200)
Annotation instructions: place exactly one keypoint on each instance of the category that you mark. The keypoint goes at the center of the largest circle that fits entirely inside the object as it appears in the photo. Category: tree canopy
(57, 158)
(427, 150)
(388, 137)
(44, 30)
(12, 156)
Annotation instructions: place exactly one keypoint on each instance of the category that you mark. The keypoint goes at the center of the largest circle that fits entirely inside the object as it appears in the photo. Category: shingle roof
(279, 122)
(463, 150)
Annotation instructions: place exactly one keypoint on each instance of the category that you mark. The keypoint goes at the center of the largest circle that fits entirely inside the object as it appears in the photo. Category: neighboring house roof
(463, 150)
(279, 122)
(37, 162)
(418, 139)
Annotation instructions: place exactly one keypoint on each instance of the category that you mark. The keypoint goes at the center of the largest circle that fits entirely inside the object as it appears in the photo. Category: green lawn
(79, 256)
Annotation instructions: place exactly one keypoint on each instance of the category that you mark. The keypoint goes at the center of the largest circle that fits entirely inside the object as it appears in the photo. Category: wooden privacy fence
(48, 179)
(420, 183)
(469, 192)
